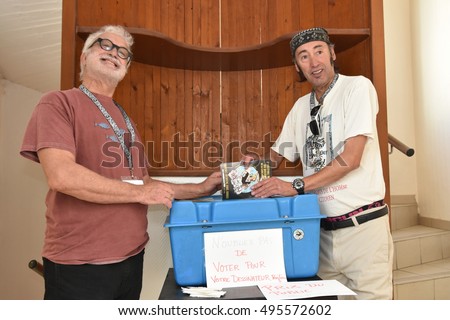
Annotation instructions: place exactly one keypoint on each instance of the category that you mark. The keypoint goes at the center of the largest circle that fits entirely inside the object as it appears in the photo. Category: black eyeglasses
(108, 45)
(314, 125)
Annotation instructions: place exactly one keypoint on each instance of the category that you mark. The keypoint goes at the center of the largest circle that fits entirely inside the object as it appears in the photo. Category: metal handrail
(397, 144)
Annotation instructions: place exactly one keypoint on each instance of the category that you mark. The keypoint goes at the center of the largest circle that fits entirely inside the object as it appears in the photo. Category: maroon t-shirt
(78, 231)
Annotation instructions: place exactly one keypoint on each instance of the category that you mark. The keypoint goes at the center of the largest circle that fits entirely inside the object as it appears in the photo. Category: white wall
(431, 73)
(418, 91)
(400, 97)
(22, 192)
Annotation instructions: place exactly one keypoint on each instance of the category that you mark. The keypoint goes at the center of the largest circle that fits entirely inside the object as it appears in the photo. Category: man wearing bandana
(332, 130)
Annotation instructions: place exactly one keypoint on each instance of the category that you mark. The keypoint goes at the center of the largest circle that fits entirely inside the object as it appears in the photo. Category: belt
(333, 225)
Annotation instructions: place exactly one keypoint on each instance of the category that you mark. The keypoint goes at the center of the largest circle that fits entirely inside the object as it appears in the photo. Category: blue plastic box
(298, 217)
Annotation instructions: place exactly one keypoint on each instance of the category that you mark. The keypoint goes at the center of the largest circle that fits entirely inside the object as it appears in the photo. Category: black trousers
(121, 281)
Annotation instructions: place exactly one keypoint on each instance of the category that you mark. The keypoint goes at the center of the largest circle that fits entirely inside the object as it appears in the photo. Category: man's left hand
(271, 187)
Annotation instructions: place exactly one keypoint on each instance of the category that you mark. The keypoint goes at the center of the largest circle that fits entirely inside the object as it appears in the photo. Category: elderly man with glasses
(97, 203)
(333, 132)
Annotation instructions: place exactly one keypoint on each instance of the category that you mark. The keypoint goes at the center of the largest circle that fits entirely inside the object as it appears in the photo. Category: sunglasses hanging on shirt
(315, 123)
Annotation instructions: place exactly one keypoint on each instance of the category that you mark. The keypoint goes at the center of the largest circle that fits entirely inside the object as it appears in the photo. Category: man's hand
(212, 184)
(273, 186)
(157, 192)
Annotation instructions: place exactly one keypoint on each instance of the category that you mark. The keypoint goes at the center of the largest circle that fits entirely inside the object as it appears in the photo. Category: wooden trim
(379, 80)
(185, 66)
(155, 48)
(156, 172)
(68, 59)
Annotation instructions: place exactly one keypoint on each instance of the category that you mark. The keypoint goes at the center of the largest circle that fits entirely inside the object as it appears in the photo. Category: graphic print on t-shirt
(315, 151)
(111, 137)
(321, 150)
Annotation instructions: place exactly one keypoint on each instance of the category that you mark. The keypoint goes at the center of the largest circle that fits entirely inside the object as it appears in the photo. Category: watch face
(298, 184)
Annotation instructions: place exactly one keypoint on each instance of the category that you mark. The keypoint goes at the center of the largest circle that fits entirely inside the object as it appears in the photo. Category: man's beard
(106, 74)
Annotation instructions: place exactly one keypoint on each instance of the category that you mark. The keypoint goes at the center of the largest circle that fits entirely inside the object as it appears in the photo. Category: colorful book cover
(238, 178)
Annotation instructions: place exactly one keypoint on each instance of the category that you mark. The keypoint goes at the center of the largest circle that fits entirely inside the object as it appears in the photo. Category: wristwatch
(299, 185)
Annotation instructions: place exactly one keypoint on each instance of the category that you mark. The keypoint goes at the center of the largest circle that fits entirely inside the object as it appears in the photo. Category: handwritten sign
(304, 289)
(244, 258)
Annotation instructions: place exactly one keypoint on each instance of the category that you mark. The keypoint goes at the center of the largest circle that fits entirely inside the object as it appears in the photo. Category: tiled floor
(429, 281)
(422, 257)
(420, 244)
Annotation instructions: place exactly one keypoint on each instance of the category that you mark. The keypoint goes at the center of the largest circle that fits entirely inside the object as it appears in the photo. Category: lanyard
(312, 101)
(118, 132)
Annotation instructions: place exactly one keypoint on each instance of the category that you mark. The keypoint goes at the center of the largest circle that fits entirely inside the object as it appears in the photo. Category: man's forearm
(66, 176)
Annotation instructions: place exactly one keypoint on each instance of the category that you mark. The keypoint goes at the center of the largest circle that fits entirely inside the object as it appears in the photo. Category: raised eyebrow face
(315, 48)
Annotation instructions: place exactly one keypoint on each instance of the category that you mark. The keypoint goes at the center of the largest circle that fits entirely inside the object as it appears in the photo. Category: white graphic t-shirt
(349, 109)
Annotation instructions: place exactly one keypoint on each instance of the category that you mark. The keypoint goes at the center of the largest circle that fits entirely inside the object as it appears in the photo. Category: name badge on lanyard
(119, 134)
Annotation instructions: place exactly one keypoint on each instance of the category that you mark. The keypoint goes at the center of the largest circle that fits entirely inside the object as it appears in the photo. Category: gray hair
(115, 29)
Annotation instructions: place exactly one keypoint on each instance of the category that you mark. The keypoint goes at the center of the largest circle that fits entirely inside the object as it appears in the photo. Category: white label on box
(244, 258)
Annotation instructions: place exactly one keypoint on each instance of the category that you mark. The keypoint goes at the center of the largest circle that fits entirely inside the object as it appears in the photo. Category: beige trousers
(360, 258)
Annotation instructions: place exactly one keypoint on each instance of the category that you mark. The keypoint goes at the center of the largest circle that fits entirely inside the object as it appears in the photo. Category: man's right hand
(157, 192)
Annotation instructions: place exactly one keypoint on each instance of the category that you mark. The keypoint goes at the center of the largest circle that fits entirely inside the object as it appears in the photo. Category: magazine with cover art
(238, 178)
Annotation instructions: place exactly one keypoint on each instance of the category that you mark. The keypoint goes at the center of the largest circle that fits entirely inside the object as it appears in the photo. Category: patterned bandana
(305, 36)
